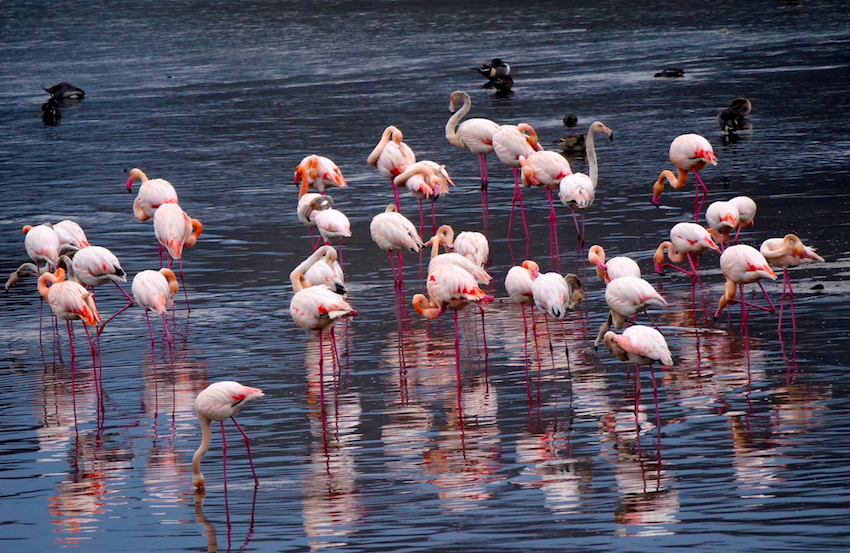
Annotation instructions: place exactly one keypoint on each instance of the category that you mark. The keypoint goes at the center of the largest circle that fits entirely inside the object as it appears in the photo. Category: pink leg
(482, 170)
(183, 284)
(396, 195)
(553, 233)
(248, 447)
(224, 454)
(521, 206)
(321, 370)
(785, 283)
(433, 218)
(421, 219)
(392, 266)
(73, 353)
(699, 201)
(128, 306)
(791, 297)
(457, 362)
(525, 351)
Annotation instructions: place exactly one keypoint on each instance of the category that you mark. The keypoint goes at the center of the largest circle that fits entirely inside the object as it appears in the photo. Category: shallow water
(224, 101)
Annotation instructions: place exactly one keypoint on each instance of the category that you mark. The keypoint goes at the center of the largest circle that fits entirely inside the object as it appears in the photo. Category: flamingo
(615, 268)
(152, 194)
(688, 152)
(154, 291)
(315, 308)
(475, 135)
(95, 265)
(473, 246)
(556, 294)
(742, 264)
(394, 233)
(451, 288)
(723, 218)
(218, 402)
(42, 244)
(746, 212)
(425, 180)
(326, 270)
(69, 302)
(641, 345)
(318, 172)
(510, 142)
(577, 191)
(519, 283)
(687, 241)
(445, 237)
(392, 156)
(627, 296)
(332, 223)
(786, 252)
(305, 209)
(71, 233)
(547, 169)
(174, 230)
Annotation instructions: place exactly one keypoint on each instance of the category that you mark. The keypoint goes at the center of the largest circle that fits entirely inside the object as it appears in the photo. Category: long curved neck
(425, 307)
(296, 275)
(376, 153)
(672, 254)
(206, 437)
(435, 246)
(454, 121)
(590, 147)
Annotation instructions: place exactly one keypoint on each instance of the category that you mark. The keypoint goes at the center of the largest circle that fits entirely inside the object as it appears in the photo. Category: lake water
(223, 99)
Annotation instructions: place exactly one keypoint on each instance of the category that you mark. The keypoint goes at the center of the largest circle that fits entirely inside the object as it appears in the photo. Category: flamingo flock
(68, 267)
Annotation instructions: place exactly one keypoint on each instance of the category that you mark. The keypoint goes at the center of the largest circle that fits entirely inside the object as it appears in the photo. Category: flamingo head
(135, 174)
(708, 155)
(599, 127)
(532, 267)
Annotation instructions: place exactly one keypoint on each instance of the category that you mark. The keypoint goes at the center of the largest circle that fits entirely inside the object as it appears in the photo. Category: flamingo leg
(791, 298)
(396, 195)
(525, 352)
(130, 304)
(699, 201)
(553, 233)
(482, 170)
(248, 447)
(421, 219)
(73, 353)
(392, 266)
(224, 454)
(513, 206)
(637, 401)
(522, 209)
(484, 339)
(433, 218)
(457, 366)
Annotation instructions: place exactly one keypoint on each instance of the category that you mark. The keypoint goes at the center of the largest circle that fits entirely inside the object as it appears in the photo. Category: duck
(570, 143)
(570, 120)
(498, 75)
(733, 118)
(671, 72)
(50, 112)
(65, 90)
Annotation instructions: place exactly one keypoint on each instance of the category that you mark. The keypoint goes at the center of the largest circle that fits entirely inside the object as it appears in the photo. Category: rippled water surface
(385, 453)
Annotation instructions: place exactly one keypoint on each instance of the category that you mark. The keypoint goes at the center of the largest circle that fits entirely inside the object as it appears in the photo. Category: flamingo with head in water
(688, 152)
(785, 253)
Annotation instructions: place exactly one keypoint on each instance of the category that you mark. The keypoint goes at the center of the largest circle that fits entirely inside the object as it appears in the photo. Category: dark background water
(223, 99)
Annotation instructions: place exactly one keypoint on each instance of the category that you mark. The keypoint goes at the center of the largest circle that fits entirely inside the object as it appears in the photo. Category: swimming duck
(50, 112)
(670, 72)
(65, 90)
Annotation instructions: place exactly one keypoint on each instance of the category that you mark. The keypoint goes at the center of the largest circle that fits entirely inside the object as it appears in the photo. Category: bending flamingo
(69, 302)
(305, 209)
(746, 212)
(723, 218)
(742, 264)
(475, 135)
(392, 156)
(71, 233)
(152, 194)
(687, 241)
(445, 237)
(473, 246)
(325, 269)
(510, 142)
(42, 244)
(626, 297)
(615, 268)
(96, 265)
(425, 180)
(519, 283)
(394, 233)
(577, 191)
(688, 152)
(154, 291)
(332, 223)
(318, 172)
(556, 294)
(219, 402)
(785, 253)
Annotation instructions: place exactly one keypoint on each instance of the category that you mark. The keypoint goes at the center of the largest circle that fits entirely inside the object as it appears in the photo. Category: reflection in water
(331, 504)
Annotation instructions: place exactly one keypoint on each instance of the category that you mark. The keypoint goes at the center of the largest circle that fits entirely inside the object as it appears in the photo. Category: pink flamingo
(174, 230)
(425, 180)
(687, 241)
(641, 345)
(577, 191)
(519, 283)
(316, 308)
(305, 209)
(445, 237)
(510, 142)
(326, 270)
(742, 264)
(71, 233)
(746, 212)
(556, 294)
(785, 253)
(69, 302)
(332, 223)
(626, 297)
(95, 265)
(219, 402)
(318, 172)
(723, 218)
(547, 169)
(688, 152)
(394, 233)
(392, 156)
(152, 194)
(475, 135)
(615, 268)
(473, 246)
(42, 244)
(154, 291)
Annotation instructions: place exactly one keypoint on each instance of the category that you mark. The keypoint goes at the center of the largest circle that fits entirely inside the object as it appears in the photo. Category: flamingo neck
(454, 120)
(206, 437)
(591, 157)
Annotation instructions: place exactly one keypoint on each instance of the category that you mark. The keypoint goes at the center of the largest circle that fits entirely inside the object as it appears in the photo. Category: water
(224, 100)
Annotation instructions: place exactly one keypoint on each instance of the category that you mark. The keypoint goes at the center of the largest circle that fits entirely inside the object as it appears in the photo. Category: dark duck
(65, 90)
(498, 74)
(733, 118)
